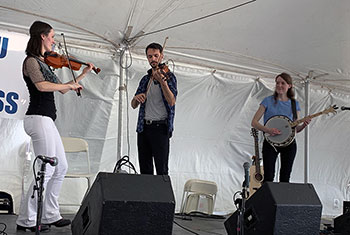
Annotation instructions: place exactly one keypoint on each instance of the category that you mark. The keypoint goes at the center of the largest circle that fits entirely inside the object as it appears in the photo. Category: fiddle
(56, 61)
(164, 69)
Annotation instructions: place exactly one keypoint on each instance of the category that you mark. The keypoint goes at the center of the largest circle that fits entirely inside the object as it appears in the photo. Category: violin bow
(165, 40)
(69, 64)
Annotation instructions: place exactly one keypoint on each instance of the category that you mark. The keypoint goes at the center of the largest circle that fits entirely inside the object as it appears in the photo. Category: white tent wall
(94, 116)
(13, 165)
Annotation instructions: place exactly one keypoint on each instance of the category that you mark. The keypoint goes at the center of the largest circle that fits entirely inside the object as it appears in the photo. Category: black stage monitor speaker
(280, 209)
(346, 207)
(6, 203)
(342, 224)
(126, 204)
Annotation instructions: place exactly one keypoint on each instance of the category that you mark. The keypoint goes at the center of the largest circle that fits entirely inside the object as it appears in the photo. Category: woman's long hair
(34, 44)
(288, 79)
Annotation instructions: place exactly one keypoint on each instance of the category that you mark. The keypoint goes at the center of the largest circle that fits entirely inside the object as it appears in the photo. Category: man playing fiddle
(156, 95)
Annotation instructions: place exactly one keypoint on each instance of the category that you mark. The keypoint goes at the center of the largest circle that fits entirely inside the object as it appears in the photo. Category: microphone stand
(241, 210)
(40, 189)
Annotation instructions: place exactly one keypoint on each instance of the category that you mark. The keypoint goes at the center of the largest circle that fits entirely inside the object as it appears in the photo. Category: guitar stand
(241, 211)
(40, 189)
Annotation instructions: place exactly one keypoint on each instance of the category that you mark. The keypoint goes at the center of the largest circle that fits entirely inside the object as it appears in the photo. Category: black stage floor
(196, 225)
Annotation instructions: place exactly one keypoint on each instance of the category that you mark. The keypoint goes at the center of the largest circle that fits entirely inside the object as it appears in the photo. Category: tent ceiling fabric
(261, 38)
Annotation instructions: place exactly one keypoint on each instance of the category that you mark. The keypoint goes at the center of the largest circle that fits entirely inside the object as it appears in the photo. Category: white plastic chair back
(201, 186)
(72, 145)
(77, 145)
(198, 196)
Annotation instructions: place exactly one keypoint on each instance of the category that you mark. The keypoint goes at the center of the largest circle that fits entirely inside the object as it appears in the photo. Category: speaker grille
(127, 204)
(280, 209)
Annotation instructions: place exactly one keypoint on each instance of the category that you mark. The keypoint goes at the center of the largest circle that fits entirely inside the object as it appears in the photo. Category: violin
(164, 69)
(56, 61)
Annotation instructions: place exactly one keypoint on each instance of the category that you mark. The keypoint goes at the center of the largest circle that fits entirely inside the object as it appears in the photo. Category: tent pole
(306, 130)
(121, 89)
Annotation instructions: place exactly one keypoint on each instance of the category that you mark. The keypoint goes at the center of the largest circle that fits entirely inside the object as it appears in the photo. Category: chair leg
(182, 204)
(210, 205)
(88, 187)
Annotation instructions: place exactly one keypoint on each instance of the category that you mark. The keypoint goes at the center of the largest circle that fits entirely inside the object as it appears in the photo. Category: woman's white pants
(46, 142)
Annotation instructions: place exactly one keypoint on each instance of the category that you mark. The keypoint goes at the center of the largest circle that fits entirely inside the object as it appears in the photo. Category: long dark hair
(34, 44)
(288, 79)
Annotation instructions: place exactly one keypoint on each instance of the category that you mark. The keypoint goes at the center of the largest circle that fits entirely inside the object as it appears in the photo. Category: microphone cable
(124, 161)
(3, 230)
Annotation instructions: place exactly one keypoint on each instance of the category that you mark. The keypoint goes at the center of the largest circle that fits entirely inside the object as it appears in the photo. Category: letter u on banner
(4, 44)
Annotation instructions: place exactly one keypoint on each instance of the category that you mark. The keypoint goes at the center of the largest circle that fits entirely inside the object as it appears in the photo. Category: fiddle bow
(69, 64)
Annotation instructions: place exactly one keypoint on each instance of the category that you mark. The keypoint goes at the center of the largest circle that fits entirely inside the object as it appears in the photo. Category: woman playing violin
(39, 125)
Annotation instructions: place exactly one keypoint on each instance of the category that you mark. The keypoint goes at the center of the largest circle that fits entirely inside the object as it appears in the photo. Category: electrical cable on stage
(34, 173)
(237, 201)
(124, 161)
(2, 232)
(198, 214)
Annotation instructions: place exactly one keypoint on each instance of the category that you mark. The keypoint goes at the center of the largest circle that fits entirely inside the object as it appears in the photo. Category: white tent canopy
(262, 37)
(225, 65)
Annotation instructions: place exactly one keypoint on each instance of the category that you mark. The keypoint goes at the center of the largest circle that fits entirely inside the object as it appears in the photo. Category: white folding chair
(198, 196)
(78, 145)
